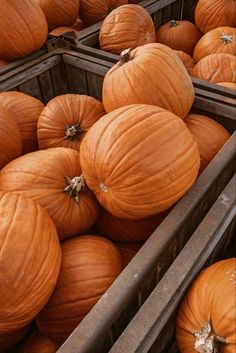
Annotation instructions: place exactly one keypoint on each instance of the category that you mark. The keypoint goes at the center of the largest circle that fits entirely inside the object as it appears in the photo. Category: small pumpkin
(89, 266)
(207, 313)
(187, 60)
(66, 119)
(25, 110)
(179, 35)
(115, 35)
(128, 251)
(209, 135)
(38, 343)
(62, 30)
(218, 40)
(231, 85)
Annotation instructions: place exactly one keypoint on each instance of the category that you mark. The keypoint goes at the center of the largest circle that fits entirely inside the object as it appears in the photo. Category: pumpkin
(93, 11)
(62, 30)
(206, 316)
(210, 14)
(127, 230)
(66, 119)
(53, 178)
(231, 85)
(218, 40)
(186, 59)
(128, 251)
(150, 74)
(139, 160)
(23, 28)
(38, 343)
(179, 35)
(115, 34)
(26, 282)
(78, 24)
(209, 135)
(11, 141)
(25, 110)
(216, 68)
(59, 13)
(11, 338)
(89, 266)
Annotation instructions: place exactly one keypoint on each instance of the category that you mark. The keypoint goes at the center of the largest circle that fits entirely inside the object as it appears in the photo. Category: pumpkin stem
(72, 132)
(207, 341)
(173, 23)
(227, 38)
(74, 186)
(125, 56)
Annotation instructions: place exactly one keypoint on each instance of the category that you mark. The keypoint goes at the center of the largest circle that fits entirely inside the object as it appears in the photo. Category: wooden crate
(64, 71)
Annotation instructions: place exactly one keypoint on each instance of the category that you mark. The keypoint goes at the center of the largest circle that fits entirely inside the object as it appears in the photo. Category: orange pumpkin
(11, 338)
(89, 266)
(23, 28)
(52, 177)
(119, 21)
(59, 13)
(150, 74)
(206, 316)
(11, 141)
(61, 30)
(216, 68)
(218, 40)
(128, 251)
(209, 135)
(231, 85)
(25, 110)
(179, 35)
(38, 343)
(27, 282)
(66, 119)
(187, 60)
(139, 160)
(210, 14)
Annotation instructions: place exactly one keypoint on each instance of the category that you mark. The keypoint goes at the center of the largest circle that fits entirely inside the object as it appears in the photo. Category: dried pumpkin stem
(125, 56)
(173, 23)
(207, 341)
(72, 131)
(75, 186)
(227, 38)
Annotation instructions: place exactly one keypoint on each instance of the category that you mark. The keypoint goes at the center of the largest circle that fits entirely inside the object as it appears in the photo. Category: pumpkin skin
(228, 85)
(39, 343)
(209, 135)
(27, 282)
(25, 24)
(89, 266)
(218, 40)
(216, 68)
(11, 141)
(206, 298)
(59, 13)
(41, 176)
(93, 11)
(119, 21)
(179, 35)
(131, 156)
(128, 251)
(210, 14)
(66, 119)
(61, 30)
(25, 110)
(187, 60)
(147, 78)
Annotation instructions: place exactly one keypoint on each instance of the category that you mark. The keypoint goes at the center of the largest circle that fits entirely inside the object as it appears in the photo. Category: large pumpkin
(23, 28)
(216, 68)
(218, 40)
(25, 110)
(28, 279)
(115, 35)
(38, 343)
(66, 119)
(11, 141)
(89, 266)
(179, 35)
(150, 74)
(210, 14)
(52, 177)
(187, 60)
(139, 160)
(206, 318)
(59, 13)
(209, 135)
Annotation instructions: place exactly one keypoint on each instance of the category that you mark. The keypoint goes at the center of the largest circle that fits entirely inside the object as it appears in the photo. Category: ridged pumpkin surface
(153, 75)
(10, 138)
(28, 279)
(66, 119)
(41, 176)
(218, 40)
(38, 343)
(211, 296)
(128, 251)
(25, 110)
(209, 135)
(210, 14)
(89, 266)
(216, 68)
(231, 85)
(116, 35)
(23, 28)
(139, 160)
(187, 60)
